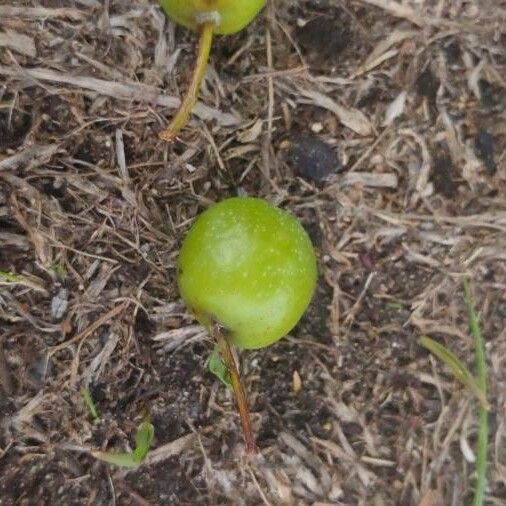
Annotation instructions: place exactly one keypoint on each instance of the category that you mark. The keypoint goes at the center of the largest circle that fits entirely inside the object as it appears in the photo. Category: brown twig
(240, 396)
(90, 329)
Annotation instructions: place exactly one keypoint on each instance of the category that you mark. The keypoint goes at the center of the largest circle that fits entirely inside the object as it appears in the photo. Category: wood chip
(382, 51)
(169, 450)
(15, 240)
(250, 134)
(370, 179)
(395, 108)
(41, 13)
(97, 365)
(18, 42)
(352, 118)
(29, 158)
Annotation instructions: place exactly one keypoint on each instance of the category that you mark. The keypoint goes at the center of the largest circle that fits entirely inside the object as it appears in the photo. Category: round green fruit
(230, 15)
(250, 267)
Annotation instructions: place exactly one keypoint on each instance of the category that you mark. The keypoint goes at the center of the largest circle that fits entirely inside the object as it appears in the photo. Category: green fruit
(231, 15)
(250, 267)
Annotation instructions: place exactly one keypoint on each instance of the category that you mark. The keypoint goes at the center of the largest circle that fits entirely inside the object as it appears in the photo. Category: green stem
(481, 461)
(481, 368)
(183, 114)
(240, 396)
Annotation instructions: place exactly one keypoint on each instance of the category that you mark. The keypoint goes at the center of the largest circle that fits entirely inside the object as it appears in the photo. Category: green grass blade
(143, 440)
(459, 370)
(8, 278)
(118, 459)
(481, 368)
(479, 344)
(90, 405)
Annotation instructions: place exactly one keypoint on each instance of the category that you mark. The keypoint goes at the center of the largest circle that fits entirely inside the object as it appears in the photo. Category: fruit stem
(240, 396)
(183, 114)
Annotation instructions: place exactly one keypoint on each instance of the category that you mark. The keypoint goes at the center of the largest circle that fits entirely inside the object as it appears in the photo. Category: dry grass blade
(169, 450)
(29, 158)
(119, 91)
(352, 118)
(7, 11)
(370, 179)
(383, 51)
(8, 239)
(105, 318)
(399, 10)
(10, 279)
(18, 42)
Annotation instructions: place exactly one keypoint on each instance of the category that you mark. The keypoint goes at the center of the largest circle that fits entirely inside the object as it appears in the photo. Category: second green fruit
(250, 267)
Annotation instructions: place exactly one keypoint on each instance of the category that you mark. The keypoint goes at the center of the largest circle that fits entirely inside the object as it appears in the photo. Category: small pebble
(59, 304)
(317, 127)
(484, 146)
(310, 157)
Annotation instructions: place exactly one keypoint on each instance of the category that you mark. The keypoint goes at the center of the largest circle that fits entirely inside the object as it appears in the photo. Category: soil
(401, 206)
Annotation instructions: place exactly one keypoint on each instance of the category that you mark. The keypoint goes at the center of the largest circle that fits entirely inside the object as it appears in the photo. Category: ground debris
(310, 157)
(393, 113)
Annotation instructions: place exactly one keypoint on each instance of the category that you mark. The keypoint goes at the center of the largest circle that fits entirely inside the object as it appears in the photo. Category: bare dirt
(349, 409)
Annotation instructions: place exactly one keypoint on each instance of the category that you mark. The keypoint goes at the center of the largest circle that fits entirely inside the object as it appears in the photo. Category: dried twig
(29, 158)
(119, 91)
(91, 328)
